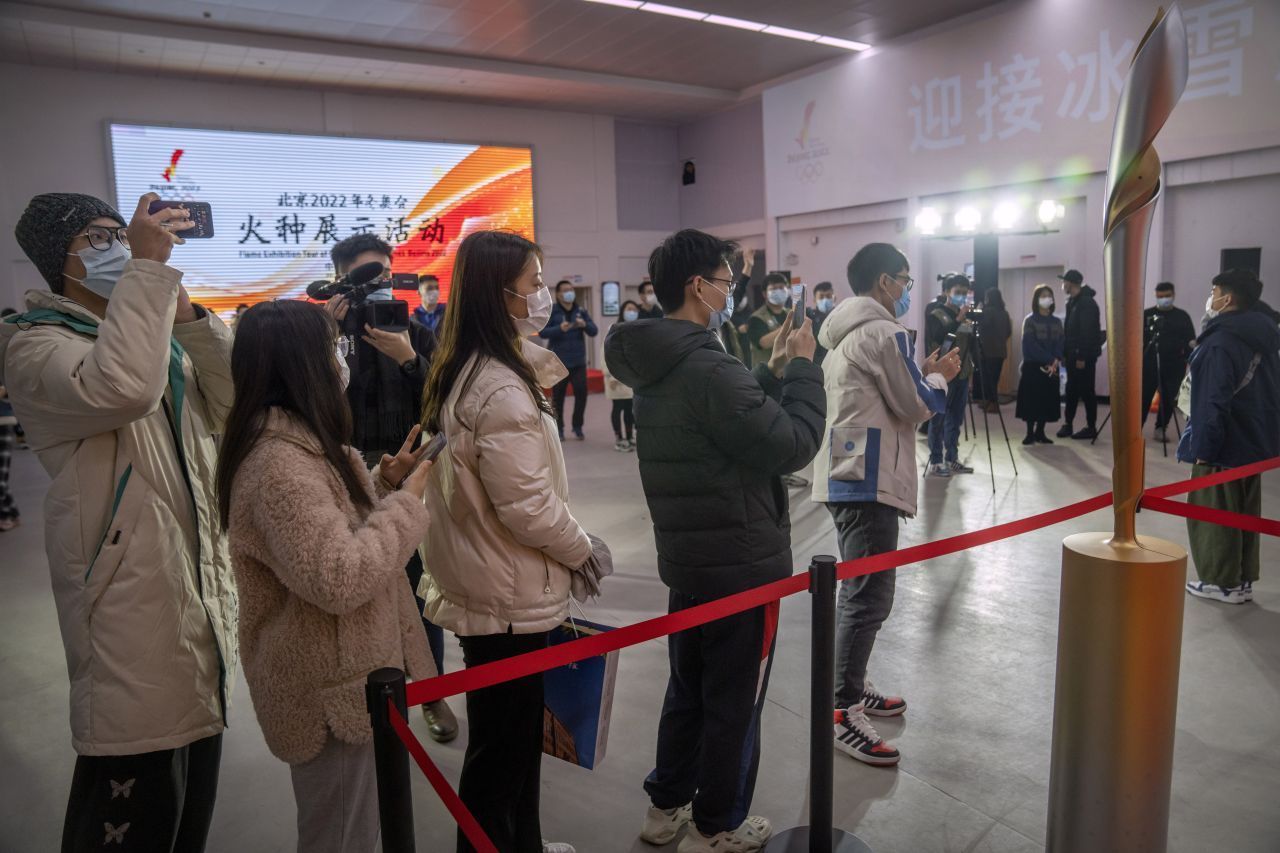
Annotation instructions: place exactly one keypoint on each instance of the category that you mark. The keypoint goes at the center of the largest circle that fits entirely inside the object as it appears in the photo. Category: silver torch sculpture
(1120, 617)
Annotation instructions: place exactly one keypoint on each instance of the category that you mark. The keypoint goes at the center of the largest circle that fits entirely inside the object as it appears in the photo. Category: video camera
(363, 288)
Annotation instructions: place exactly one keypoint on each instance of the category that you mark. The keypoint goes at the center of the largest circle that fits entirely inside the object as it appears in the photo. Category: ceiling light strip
(736, 23)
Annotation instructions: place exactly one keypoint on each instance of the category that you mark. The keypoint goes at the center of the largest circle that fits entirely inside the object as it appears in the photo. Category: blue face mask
(102, 269)
(568, 296)
(959, 300)
(778, 297)
(719, 318)
(630, 316)
(902, 304)
(383, 295)
(825, 304)
(1164, 301)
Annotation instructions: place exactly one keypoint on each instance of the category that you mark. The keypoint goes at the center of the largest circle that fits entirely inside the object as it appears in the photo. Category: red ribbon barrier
(466, 821)
(1253, 523)
(509, 669)
(1225, 476)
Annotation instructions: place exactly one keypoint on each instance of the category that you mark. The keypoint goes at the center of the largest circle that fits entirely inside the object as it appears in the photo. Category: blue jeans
(945, 428)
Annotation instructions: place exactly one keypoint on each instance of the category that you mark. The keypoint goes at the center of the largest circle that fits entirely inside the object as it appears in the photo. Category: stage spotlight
(1048, 211)
(928, 220)
(968, 218)
(1006, 214)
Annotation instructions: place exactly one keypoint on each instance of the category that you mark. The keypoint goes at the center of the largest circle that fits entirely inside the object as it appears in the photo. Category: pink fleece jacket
(324, 599)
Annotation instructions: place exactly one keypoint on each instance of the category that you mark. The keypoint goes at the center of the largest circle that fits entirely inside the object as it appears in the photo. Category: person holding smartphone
(319, 544)
(499, 571)
(122, 383)
(1042, 344)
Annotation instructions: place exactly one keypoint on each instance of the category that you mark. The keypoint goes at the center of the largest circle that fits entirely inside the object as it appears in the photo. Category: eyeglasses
(343, 347)
(100, 236)
(910, 282)
(727, 282)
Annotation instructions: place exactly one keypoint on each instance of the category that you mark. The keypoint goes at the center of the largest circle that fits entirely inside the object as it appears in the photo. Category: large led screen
(280, 202)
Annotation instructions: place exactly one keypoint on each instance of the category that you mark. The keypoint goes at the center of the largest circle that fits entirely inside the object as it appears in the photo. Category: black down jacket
(714, 439)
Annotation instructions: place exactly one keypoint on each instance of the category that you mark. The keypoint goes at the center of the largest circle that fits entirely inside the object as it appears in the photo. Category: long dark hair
(284, 356)
(477, 323)
(1035, 299)
(992, 298)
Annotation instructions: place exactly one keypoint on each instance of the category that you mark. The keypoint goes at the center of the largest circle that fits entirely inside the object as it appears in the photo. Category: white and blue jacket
(876, 397)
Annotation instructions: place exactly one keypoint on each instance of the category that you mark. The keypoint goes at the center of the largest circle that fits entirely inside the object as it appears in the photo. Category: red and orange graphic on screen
(173, 164)
(492, 189)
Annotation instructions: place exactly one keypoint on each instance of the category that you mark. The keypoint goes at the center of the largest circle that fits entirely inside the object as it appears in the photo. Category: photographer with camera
(1167, 336)
(942, 319)
(122, 383)
(388, 371)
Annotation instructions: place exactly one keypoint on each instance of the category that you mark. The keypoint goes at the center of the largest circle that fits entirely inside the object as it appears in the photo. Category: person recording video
(942, 320)
(122, 383)
(388, 371)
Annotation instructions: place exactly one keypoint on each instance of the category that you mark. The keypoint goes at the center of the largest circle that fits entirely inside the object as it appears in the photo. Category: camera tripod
(1172, 404)
(980, 360)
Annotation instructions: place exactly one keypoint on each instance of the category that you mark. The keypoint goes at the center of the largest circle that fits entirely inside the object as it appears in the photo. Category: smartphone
(390, 316)
(947, 344)
(434, 447)
(797, 301)
(404, 281)
(201, 215)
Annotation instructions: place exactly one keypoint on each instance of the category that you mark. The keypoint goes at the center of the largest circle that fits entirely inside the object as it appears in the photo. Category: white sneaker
(1246, 589)
(747, 838)
(621, 446)
(662, 825)
(556, 847)
(939, 470)
(1213, 592)
(857, 738)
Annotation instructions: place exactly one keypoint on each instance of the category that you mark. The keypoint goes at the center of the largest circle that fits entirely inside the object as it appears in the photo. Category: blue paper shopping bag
(578, 700)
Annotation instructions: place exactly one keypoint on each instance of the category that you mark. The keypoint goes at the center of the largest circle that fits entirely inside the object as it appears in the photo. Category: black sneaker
(1086, 433)
(855, 736)
(957, 468)
(577, 433)
(1041, 438)
(1064, 431)
(1031, 439)
(876, 704)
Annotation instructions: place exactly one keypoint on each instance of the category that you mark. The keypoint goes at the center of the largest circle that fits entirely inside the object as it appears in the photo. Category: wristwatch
(410, 367)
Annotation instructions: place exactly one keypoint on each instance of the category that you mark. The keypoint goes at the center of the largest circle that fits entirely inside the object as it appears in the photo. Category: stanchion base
(797, 841)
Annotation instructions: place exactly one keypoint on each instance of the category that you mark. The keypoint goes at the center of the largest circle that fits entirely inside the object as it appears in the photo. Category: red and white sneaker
(879, 705)
(855, 736)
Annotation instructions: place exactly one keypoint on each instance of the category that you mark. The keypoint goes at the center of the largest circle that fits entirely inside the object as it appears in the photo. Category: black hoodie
(1083, 327)
(714, 440)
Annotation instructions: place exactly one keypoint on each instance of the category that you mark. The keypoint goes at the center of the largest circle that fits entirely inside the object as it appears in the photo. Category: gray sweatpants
(337, 796)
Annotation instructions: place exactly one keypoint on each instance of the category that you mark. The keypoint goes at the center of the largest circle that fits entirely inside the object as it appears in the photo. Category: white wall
(728, 149)
(53, 138)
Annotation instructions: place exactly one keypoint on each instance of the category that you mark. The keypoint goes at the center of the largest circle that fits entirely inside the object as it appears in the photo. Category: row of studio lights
(1005, 216)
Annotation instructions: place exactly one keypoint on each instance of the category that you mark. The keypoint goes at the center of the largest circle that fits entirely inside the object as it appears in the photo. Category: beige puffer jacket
(326, 599)
(503, 542)
(142, 581)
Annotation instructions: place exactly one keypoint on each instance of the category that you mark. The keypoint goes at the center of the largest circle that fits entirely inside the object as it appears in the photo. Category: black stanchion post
(395, 799)
(820, 836)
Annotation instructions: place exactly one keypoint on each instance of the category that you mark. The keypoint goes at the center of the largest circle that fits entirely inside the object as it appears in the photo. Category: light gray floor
(971, 644)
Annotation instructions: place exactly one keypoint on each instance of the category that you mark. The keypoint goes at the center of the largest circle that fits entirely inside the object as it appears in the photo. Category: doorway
(1017, 284)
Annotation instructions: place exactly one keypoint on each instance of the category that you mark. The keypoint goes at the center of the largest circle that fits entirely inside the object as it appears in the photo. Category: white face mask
(778, 297)
(539, 303)
(1212, 312)
(1046, 302)
(651, 298)
(1164, 301)
(102, 269)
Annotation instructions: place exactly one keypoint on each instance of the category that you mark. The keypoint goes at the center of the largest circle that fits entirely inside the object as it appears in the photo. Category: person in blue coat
(1234, 421)
(566, 335)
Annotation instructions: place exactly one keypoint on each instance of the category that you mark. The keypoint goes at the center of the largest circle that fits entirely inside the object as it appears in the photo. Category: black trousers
(154, 802)
(578, 379)
(1168, 382)
(709, 731)
(1081, 382)
(502, 769)
(623, 414)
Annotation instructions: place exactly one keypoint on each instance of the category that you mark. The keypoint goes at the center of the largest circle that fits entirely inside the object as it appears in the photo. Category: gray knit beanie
(49, 224)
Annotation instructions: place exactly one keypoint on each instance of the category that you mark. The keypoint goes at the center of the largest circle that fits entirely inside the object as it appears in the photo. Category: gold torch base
(1115, 703)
